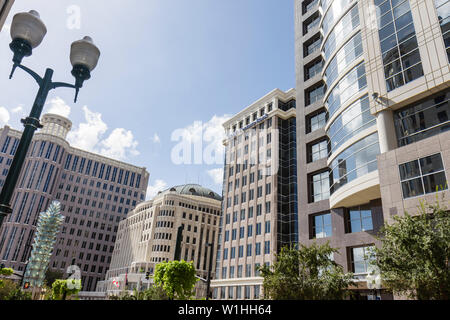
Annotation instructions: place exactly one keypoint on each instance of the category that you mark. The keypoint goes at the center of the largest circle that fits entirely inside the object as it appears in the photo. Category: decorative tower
(47, 228)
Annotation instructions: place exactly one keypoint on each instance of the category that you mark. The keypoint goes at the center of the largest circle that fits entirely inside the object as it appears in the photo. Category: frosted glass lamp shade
(84, 53)
(27, 26)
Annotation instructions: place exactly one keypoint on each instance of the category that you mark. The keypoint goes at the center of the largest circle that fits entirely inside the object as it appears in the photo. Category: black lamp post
(208, 280)
(27, 32)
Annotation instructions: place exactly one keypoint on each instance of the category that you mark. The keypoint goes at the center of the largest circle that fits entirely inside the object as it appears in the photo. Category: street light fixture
(27, 33)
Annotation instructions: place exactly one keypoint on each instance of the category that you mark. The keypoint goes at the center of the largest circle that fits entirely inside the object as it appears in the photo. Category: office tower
(149, 233)
(95, 192)
(259, 193)
(372, 115)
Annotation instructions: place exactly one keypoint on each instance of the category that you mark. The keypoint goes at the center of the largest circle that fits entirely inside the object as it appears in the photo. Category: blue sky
(166, 65)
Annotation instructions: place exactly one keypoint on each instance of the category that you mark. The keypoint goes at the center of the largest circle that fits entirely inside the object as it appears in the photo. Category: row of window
(258, 231)
(111, 173)
(248, 253)
(243, 216)
(237, 292)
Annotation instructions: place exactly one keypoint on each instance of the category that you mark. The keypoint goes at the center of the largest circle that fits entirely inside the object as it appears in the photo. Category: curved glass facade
(343, 58)
(356, 161)
(333, 13)
(350, 122)
(353, 82)
(347, 24)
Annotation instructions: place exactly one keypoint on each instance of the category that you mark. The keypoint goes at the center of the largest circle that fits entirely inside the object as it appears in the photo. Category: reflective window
(320, 187)
(400, 53)
(343, 58)
(313, 95)
(356, 161)
(423, 176)
(321, 227)
(353, 82)
(423, 119)
(336, 7)
(312, 69)
(318, 151)
(311, 23)
(347, 24)
(317, 121)
(359, 219)
(350, 122)
(312, 46)
(360, 259)
(443, 12)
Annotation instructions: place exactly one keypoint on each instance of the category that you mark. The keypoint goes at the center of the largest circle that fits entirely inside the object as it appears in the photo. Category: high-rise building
(95, 192)
(5, 7)
(372, 115)
(259, 194)
(149, 233)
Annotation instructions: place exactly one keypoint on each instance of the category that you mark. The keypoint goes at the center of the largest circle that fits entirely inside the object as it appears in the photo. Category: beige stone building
(260, 195)
(149, 233)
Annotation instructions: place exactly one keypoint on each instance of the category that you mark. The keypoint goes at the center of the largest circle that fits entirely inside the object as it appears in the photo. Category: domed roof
(194, 189)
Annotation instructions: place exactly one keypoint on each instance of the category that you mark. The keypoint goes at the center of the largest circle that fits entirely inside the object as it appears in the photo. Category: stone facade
(260, 202)
(149, 233)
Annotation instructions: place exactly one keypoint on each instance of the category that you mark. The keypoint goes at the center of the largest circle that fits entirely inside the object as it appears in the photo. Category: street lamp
(27, 33)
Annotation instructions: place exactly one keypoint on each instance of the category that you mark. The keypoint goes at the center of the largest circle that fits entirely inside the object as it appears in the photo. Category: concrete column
(386, 130)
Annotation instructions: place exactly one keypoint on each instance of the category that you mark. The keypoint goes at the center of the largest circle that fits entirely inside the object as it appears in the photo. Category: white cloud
(216, 175)
(120, 144)
(4, 116)
(152, 190)
(88, 134)
(18, 109)
(58, 106)
(156, 138)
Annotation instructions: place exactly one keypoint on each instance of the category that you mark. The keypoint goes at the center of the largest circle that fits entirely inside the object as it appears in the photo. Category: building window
(354, 162)
(350, 122)
(422, 176)
(320, 187)
(344, 57)
(318, 151)
(313, 68)
(400, 52)
(316, 121)
(312, 45)
(314, 94)
(359, 219)
(360, 259)
(321, 226)
(443, 10)
(352, 83)
(423, 119)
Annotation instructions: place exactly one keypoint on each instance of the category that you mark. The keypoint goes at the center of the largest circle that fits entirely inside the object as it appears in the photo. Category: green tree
(18, 294)
(305, 273)
(6, 288)
(176, 278)
(414, 254)
(61, 289)
(4, 272)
